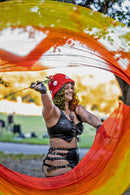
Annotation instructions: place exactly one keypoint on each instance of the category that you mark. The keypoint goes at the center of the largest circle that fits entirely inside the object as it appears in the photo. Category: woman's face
(68, 92)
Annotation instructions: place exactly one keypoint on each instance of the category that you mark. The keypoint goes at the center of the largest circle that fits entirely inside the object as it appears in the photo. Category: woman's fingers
(39, 86)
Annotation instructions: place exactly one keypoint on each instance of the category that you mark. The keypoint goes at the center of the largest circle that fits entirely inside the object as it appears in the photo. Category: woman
(63, 117)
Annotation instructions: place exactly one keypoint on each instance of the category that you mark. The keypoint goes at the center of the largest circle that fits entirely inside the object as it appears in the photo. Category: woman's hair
(59, 99)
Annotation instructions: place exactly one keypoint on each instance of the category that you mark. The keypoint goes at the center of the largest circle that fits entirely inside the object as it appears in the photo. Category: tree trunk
(125, 88)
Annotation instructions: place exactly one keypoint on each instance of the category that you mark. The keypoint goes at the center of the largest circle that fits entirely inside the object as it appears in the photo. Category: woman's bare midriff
(59, 143)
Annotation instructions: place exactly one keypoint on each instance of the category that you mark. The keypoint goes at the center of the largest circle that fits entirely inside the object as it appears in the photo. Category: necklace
(71, 116)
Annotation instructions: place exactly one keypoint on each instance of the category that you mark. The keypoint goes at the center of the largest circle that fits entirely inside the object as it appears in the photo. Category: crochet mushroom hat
(57, 81)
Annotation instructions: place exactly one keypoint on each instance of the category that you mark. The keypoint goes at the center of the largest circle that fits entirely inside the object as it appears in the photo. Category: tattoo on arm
(83, 107)
(91, 116)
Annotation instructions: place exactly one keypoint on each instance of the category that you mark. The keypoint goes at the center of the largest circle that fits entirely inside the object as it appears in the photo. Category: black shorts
(72, 156)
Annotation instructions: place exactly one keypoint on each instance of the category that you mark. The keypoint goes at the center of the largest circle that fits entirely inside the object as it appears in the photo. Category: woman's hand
(39, 86)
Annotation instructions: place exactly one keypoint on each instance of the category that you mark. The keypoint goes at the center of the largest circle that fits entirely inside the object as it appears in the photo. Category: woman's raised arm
(48, 105)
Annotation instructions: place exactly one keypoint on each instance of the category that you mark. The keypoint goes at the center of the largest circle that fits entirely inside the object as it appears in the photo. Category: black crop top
(65, 128)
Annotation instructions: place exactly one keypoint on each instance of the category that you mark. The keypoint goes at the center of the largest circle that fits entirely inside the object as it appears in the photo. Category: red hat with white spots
(57, 81)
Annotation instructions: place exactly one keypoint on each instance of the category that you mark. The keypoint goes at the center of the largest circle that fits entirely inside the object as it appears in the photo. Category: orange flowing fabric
(50, 34)
(104, 169)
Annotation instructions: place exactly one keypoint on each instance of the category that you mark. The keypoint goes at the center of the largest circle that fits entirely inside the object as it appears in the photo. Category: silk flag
(38, 35)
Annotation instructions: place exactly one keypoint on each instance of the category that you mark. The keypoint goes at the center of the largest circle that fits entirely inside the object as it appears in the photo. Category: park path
(17, 148)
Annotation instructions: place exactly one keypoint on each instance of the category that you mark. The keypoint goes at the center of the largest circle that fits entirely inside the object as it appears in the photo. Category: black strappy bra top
(65, 128)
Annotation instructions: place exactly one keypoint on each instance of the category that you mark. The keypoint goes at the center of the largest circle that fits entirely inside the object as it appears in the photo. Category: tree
(125, 88)
(102, 97)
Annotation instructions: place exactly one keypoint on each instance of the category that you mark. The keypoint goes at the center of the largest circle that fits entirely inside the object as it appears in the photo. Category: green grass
(28, 123)
(37, 125)
(19, 157)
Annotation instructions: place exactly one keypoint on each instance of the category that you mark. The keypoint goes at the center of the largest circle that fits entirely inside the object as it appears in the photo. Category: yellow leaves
(102, 97)
(20, 81)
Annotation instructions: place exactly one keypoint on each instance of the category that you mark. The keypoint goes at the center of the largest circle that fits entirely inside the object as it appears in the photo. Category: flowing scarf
(38, 35)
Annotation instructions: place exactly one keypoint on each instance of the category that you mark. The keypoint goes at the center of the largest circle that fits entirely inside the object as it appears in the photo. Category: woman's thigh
(55, 172)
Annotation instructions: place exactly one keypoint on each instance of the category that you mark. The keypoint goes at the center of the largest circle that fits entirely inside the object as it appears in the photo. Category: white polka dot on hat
(55, 83)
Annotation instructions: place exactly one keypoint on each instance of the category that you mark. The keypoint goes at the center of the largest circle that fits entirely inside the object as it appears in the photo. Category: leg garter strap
(53, 148)
(55, 158)
(56, 167)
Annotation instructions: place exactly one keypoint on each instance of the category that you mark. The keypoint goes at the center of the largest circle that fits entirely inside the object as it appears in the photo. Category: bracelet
(98, 126)
(42, 94)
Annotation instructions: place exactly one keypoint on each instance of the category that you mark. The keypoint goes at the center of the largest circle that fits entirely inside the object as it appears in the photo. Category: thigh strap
(53, 148)
(57, 167)
(57, 153)
(55, 158)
